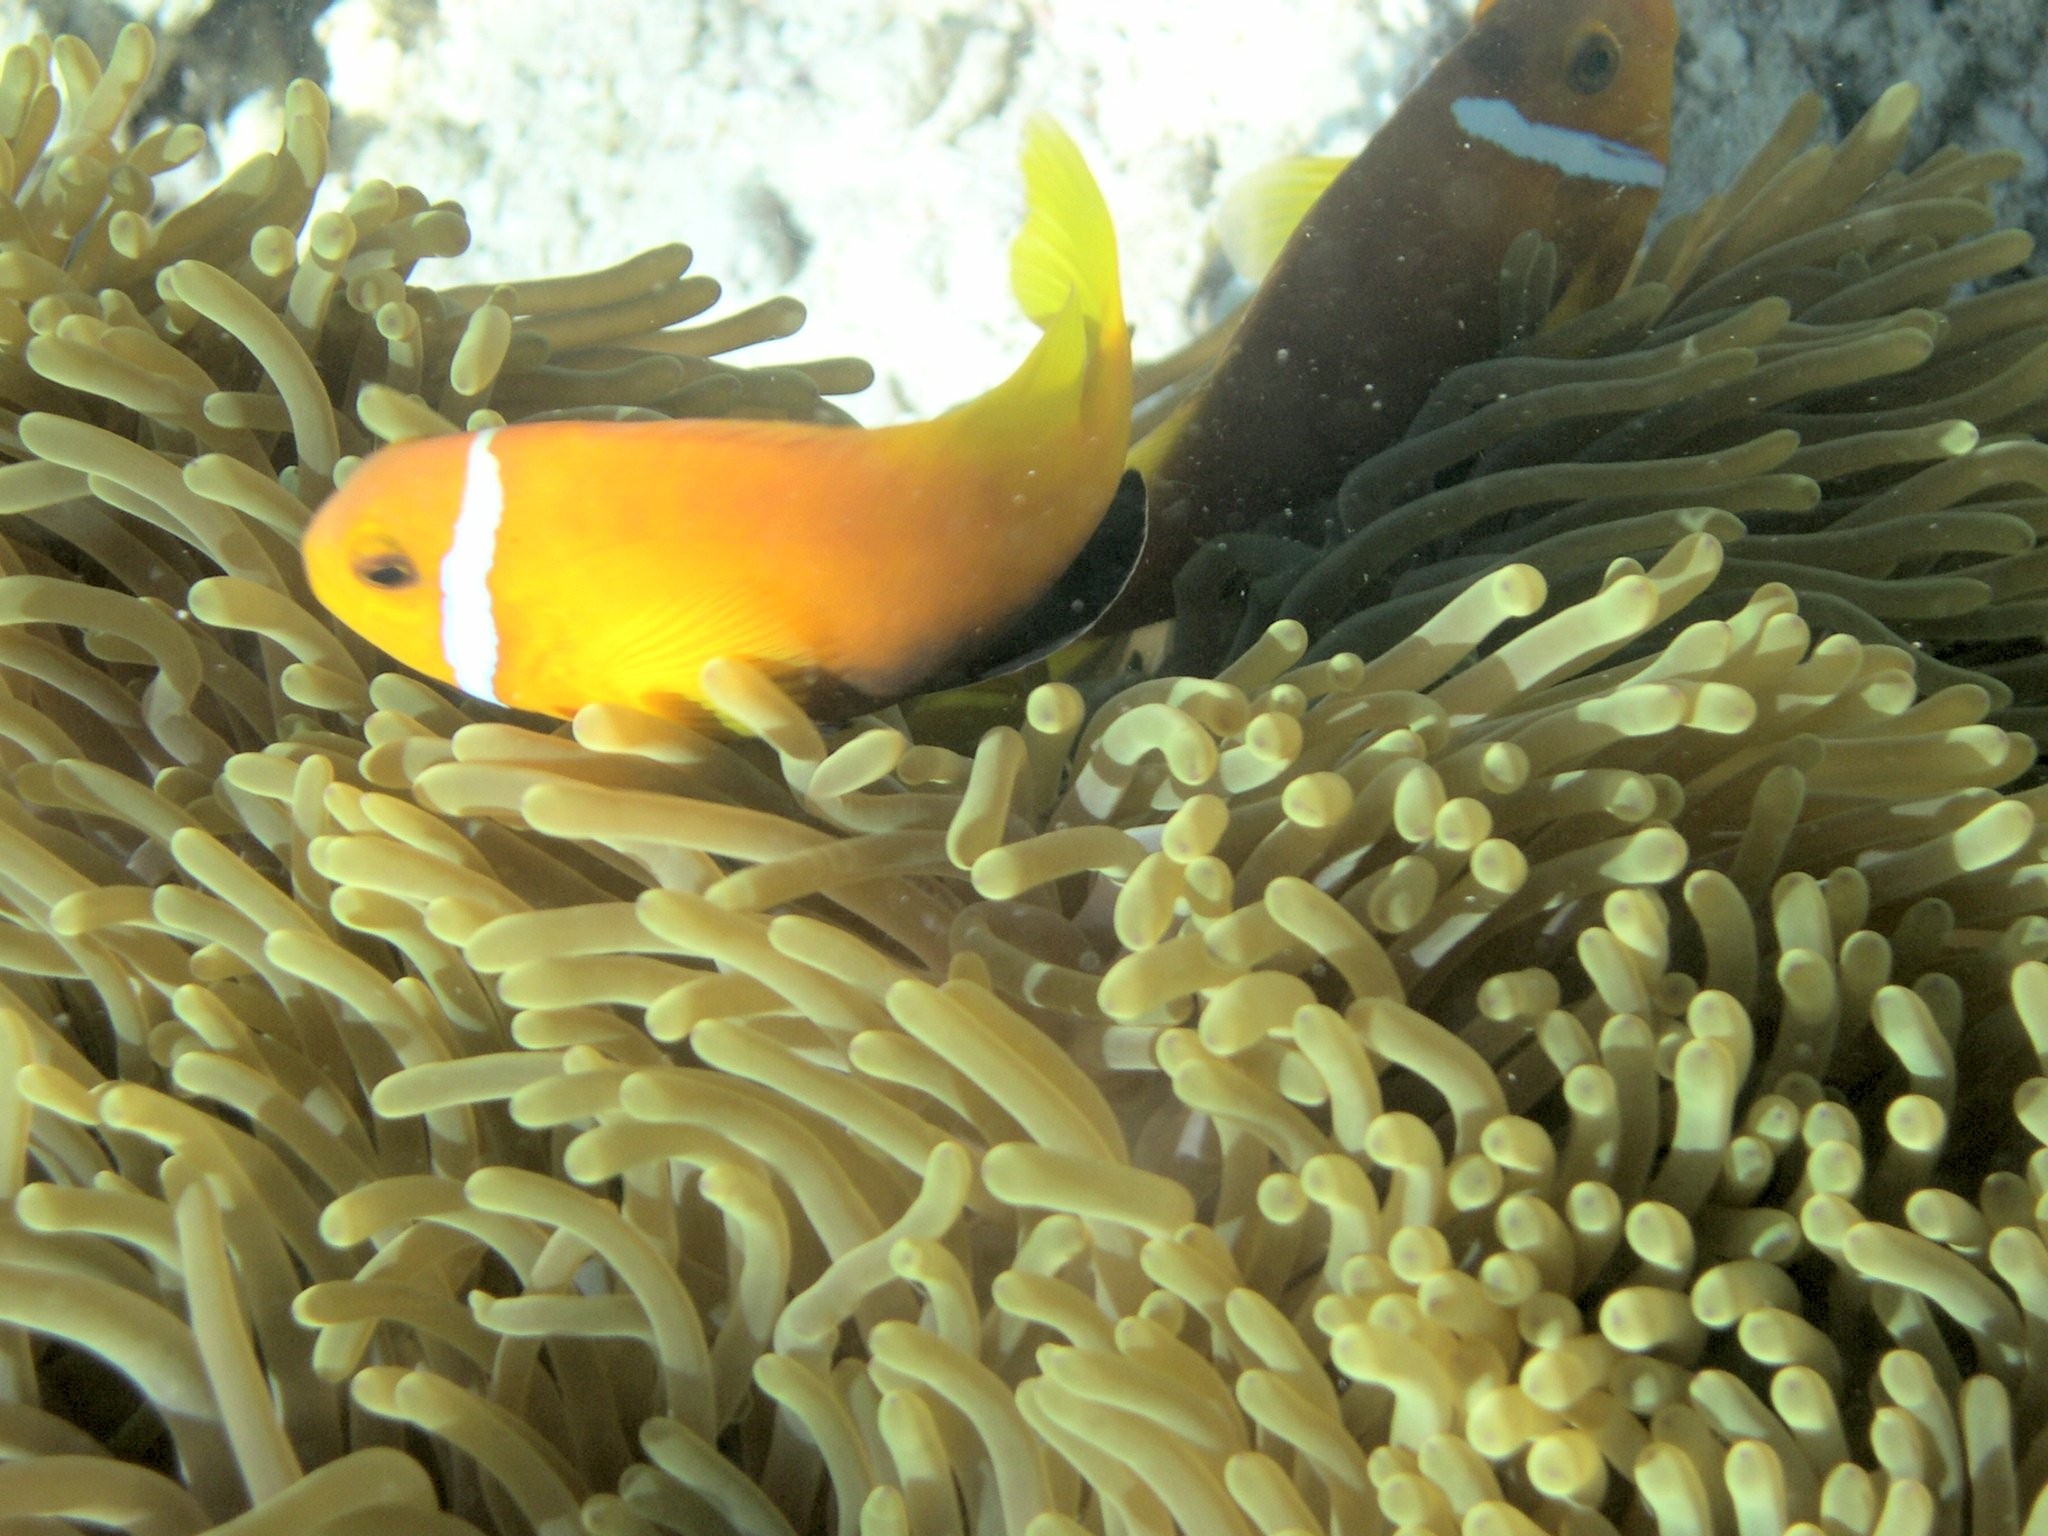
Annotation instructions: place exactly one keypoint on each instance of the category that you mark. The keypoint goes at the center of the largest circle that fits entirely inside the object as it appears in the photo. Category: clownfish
(550, 565)
(1550, 115)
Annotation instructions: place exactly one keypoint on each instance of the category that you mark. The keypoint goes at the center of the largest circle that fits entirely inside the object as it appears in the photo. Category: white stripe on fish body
(1571, 150)
(469, 627)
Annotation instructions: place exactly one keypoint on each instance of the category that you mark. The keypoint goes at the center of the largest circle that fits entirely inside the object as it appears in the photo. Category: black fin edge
(1071, 606)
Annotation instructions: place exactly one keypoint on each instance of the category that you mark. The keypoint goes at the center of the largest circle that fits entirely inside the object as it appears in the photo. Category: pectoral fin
(1260, 212)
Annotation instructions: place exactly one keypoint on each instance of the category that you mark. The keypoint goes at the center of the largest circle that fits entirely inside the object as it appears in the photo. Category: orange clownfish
(555, 564)
(1551, 115)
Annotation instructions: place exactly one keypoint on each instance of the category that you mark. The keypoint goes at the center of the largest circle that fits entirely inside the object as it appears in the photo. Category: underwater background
(857, 154)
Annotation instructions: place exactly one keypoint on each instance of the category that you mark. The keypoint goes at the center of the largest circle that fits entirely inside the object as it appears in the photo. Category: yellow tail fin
(1066, 251)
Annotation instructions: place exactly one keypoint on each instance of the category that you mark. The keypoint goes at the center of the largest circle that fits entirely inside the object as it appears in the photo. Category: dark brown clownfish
(1550, 115)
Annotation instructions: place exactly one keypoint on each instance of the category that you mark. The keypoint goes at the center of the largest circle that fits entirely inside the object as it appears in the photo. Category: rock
(862, 155)
(1981, 66)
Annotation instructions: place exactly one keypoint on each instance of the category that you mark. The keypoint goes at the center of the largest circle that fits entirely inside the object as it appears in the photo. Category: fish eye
(1596, 59)
(390, 569)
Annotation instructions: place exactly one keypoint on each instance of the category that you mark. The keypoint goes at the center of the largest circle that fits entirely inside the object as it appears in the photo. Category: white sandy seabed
(861, 153)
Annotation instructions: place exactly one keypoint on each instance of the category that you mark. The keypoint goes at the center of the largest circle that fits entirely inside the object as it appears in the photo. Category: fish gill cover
(1586, 1081)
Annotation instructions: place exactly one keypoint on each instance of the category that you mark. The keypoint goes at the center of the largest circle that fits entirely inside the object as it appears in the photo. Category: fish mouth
(319, 546)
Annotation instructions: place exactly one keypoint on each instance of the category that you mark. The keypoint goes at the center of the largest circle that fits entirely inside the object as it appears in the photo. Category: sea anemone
(1576, 1066)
